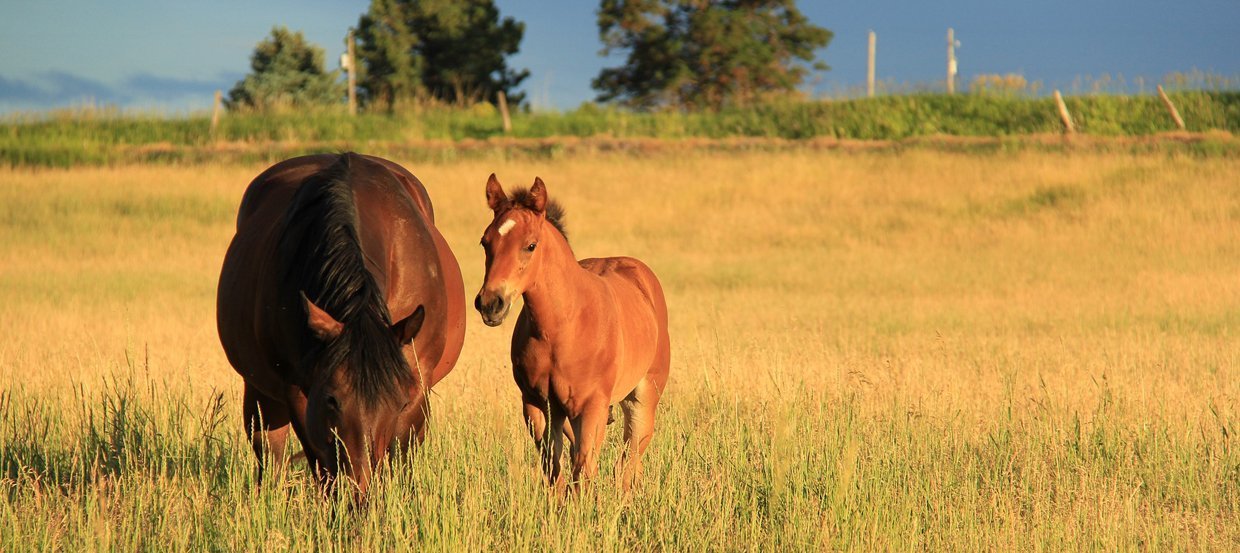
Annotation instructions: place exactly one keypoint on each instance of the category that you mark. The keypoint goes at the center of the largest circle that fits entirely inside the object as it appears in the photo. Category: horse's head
(511, 243)
(361, 396)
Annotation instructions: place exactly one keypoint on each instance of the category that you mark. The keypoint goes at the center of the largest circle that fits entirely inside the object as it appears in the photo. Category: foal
(592, 333)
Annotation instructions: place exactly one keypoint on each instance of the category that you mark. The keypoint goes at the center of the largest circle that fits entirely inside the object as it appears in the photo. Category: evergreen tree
(705, 53)
(448, 50)
(286, 72)
(388, 67)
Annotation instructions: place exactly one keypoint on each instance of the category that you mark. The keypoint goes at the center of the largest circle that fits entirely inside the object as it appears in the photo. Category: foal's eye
(531, 247)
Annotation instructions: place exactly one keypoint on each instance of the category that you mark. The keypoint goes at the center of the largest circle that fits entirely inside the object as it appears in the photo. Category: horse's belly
(639, 340)
(249, 340)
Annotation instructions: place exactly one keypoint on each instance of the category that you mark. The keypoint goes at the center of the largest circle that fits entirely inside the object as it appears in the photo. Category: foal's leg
(266, 424)
(553, 450)
(589, 428)
(535, 410)
(536, 424)
(639, 407)
(535, 420)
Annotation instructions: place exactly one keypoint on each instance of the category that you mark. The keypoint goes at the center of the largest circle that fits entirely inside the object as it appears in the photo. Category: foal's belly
(608, 356)
(639, 333)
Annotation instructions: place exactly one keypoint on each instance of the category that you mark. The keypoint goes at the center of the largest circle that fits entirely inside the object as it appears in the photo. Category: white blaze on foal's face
(506, 226)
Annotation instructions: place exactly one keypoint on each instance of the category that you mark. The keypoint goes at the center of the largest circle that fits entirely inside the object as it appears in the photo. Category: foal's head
(511, 241)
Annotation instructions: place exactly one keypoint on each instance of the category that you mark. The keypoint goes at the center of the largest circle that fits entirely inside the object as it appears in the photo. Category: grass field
(93, 136)
(911, 349)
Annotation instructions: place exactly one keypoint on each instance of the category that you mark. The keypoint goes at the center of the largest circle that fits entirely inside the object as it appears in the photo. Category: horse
(591, 333)
(340, 305)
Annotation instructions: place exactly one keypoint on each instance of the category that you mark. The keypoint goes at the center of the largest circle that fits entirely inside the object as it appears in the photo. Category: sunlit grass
(870, 350)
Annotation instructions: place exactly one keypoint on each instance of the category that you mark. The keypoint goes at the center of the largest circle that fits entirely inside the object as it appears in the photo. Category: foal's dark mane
(521, 197)
(322, 256)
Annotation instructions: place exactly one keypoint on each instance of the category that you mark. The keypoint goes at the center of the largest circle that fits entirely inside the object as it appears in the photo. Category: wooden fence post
(1175, 113)
(1064, 116)
(503, 111)
(869, 73)
(216, 108)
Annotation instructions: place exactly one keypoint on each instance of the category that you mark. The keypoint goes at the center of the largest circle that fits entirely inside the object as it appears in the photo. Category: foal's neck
(561, 289)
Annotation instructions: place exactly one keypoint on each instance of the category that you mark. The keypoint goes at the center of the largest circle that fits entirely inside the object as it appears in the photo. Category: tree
(705, 53)
(388, 67)
(449, 50)
(286, 72)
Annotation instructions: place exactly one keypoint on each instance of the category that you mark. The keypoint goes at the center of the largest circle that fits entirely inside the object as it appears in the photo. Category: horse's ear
(538, 193)
(407, 329)
(322, 325)
(496, 199)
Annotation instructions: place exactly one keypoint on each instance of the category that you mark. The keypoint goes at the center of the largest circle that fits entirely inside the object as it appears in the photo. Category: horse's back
(642, 315)
(416, 274)
(249, 277)
(629, 272)
(247, 280)
(415, 188)
(273, 189)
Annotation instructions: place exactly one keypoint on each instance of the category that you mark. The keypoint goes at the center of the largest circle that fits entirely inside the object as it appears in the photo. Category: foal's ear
(322, 325)
(407, 329)
(538, 193)
(496, 199)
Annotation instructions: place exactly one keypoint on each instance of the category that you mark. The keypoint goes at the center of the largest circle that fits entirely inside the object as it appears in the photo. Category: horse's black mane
(323, 257)
(521, 197)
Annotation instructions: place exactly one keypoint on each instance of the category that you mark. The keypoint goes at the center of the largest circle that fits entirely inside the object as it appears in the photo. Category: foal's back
(635, 298)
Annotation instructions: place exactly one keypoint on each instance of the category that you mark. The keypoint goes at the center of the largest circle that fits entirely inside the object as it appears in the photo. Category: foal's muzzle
(493, 307)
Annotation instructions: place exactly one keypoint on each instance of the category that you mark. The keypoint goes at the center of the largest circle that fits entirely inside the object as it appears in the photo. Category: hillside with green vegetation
(96, 137)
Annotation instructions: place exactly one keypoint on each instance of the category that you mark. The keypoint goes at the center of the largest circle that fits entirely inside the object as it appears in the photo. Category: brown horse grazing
(592, 333)
(329, 251)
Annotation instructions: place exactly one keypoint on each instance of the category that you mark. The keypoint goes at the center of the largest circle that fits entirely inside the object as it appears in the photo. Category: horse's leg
(535, 420)
(297, 408)
(589, 429)
(266, 425)
(416, 420)
(553, 451)
(639, 408)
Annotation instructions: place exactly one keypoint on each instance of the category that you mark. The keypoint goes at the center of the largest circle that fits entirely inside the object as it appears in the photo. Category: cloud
(19, 90)
(56, 88)
(53, 89)
(67, 87)
(156, 87)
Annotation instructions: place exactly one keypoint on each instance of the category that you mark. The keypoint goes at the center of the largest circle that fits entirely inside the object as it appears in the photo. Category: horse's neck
(563, 288)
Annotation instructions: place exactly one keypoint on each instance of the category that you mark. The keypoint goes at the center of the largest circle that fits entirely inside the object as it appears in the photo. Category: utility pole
(869, 73)
(951, 61)
(350, 68)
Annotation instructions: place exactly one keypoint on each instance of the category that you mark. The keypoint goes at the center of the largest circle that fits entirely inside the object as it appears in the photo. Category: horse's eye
(531, 247)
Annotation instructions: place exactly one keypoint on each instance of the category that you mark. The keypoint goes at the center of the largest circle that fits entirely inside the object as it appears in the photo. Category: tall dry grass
(871, 350)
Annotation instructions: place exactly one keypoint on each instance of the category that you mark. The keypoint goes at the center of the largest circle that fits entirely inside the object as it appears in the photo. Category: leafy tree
(286, 72)
(705, 53)
(388, 66)
(448, 50)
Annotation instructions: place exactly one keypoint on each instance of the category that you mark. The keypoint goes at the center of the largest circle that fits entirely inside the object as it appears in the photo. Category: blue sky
(171, 55)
